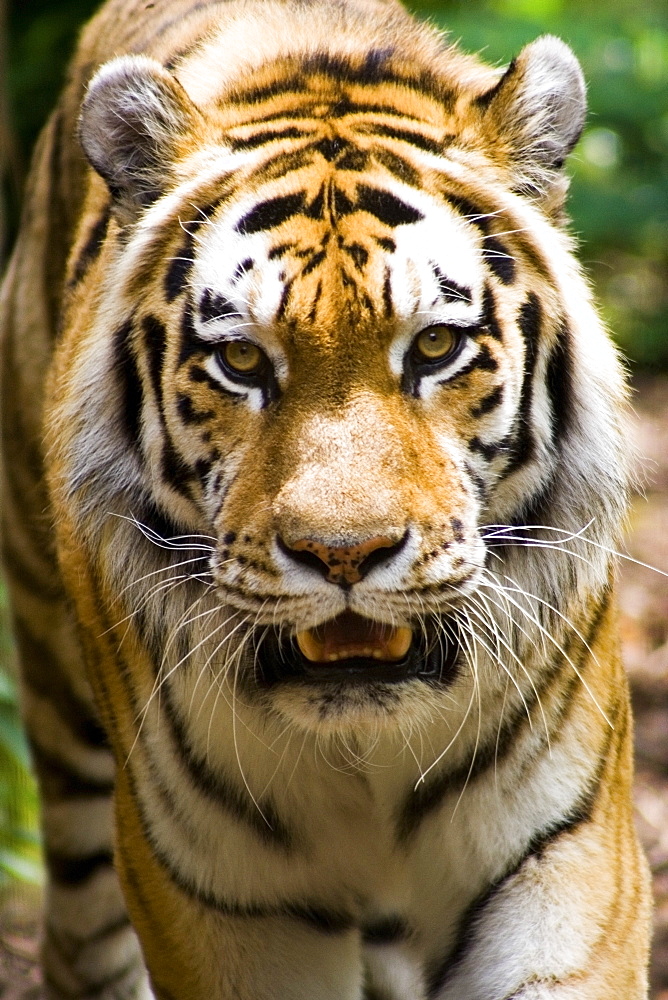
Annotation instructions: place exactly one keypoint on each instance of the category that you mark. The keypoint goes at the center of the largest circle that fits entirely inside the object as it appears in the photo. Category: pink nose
(348, 564)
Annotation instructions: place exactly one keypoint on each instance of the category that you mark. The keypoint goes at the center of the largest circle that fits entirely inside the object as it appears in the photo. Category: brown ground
(644, 602)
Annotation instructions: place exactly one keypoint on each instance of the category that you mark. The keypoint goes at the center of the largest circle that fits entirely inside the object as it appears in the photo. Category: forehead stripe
(386, 207)
(449, 289)
(271, 213)
(498, 259)
(405, 135)
(267, 136)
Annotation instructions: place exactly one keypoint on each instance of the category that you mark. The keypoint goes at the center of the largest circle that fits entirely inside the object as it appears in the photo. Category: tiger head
(335, 331)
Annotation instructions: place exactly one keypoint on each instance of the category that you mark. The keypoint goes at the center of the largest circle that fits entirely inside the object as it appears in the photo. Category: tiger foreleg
(563, 925)
(89, 947)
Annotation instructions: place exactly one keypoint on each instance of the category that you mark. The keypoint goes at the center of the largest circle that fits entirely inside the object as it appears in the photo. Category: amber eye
(434, 344)
(242, 357)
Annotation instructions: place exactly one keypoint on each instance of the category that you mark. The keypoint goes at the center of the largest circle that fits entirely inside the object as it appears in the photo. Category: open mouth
(352, 649)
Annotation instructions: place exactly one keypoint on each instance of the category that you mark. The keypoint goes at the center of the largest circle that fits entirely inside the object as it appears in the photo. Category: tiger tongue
(349, 635)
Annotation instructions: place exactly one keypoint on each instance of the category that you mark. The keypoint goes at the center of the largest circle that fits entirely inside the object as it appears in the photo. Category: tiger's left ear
(134, 118)
(537, 110)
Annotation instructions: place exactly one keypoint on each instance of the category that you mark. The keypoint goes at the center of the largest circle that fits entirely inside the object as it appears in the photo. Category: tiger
(315, 465)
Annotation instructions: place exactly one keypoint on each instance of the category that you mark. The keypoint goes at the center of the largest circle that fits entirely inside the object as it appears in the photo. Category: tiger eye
(436, 343)
(242, 356)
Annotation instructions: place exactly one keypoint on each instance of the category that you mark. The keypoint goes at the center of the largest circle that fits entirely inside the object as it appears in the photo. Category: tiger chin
(315, 466)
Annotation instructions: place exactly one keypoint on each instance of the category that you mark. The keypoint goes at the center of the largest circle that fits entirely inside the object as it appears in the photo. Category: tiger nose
(347, 564)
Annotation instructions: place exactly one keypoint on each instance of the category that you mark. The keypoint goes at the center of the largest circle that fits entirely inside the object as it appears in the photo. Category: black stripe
(202, 377)
(449, 289)
(489, 450)
(175, 470)
(388, 305)
(529, 322)
(331, 147)
(468, 926)
(484, 100)
(488, 402)
(58, 221)
(188, 413)
(242, 268)
(359, 254)
(314, 262)
(159, 521)
(316, 210)
(479, 484)
(180, 267)
(353, 159)
(398, 166)
(285, 298)
(190, 344)
(59, 781)
(471, 213)
(499, 261)
(47, 588)
(457, 527)
(281, 249)
(315, 915)
(109, 930)
(341, 203)
(91, 249)
(404, 135)
(271, 213)
(279, 165)
(222, 791)
(72, 947)
(484, 360)
(94, 987)
(73, 871)
(373, 992)
(43, 675)
(386, 207)
(268, 135)
(127, 374)
(213, 306)
(488, 320)
(294, 86)
(155, 342)
(345, 71)
(385, 931)
(386, 243)
(316, 298)
(559, 381)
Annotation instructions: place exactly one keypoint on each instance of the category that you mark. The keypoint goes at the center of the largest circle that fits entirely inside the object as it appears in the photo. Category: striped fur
(319, 192)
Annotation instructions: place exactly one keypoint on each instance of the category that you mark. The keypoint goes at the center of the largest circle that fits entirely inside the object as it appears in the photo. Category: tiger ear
(131, 121)
(538, 110)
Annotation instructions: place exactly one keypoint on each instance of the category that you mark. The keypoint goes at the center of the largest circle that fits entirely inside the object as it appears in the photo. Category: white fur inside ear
(539, 107)
(133, 112)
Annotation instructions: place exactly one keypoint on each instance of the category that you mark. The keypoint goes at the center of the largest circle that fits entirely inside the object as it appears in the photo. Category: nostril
(346, 564)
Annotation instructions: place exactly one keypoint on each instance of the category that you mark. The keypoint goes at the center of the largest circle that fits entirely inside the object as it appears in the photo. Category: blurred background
(619, 208)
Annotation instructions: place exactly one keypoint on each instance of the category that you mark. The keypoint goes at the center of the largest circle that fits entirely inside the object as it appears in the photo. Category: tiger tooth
(309, 646)
(399, 643)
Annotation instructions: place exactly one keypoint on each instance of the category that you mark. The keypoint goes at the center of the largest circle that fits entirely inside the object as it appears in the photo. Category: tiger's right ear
(131, 121)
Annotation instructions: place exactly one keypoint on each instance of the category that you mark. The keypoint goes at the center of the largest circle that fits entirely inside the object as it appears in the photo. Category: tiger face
(338, 362)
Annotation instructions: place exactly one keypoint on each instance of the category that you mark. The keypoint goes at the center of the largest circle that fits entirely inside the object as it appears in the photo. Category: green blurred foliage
(20, 857)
